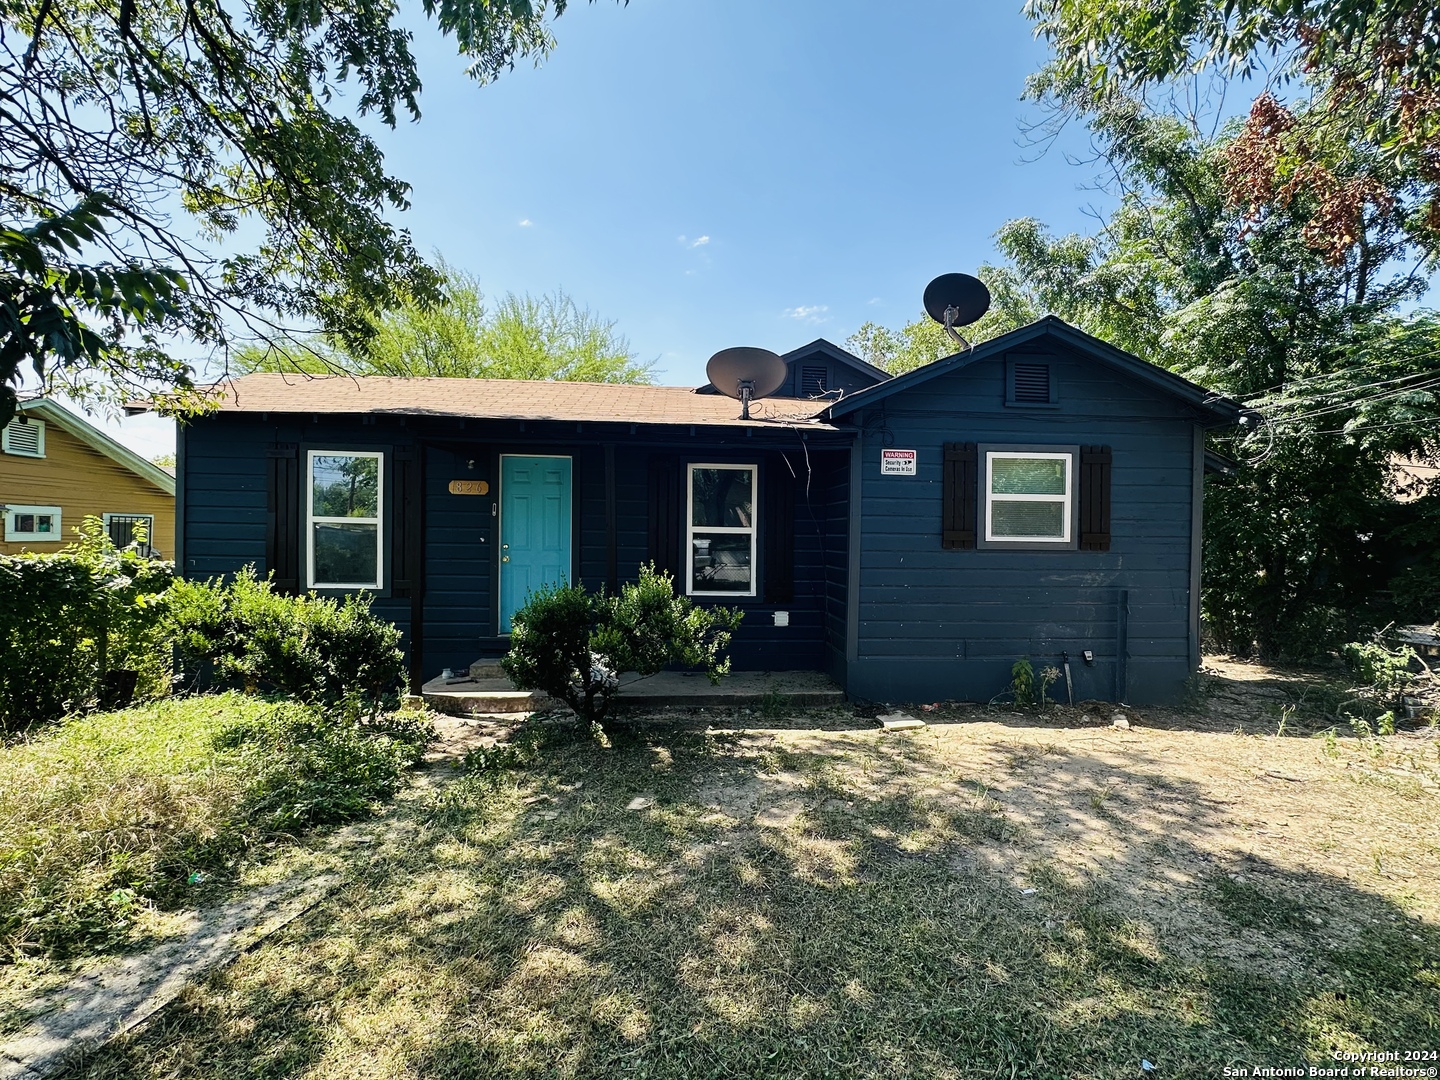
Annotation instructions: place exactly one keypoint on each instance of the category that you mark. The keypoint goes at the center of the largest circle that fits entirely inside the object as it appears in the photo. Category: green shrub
(108, 814)
(1386, 672)
(575, 644)
(67, 617)
(243, 634)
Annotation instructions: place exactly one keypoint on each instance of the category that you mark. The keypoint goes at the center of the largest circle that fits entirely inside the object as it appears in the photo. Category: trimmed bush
(68, 617)
(574, 644)
(242, 634)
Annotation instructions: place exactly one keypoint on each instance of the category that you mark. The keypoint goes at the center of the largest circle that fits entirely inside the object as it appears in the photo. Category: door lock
(504, 558)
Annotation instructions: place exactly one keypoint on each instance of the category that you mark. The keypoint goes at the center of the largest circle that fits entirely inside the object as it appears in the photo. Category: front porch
(484, 690)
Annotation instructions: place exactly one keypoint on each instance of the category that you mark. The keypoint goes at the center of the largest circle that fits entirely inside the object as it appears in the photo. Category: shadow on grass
(685, 904)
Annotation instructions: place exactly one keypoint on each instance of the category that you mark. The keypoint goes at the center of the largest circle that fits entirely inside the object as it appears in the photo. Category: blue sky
(710, 173)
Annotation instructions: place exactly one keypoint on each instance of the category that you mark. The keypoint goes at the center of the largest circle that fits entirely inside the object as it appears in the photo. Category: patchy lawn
(1000, 894)
(110, 819)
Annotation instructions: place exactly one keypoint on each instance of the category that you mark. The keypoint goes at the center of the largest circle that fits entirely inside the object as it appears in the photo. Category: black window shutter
(407, 521)
(666, 517)
(777, 527)
(1095, 498)
(284, 518)
(961, 468)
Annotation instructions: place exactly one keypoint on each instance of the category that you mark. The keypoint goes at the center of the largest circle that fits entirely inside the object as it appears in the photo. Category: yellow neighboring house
(55, 470)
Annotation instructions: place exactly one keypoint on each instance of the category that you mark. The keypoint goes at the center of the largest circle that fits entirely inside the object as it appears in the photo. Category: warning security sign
(897, 462)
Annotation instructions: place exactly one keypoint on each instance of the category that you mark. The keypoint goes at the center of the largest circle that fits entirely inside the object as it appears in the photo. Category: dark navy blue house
(1038, 495)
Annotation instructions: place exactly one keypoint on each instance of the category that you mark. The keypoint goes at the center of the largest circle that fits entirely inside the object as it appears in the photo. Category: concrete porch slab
(472, 696)
(468, 696)
(739, 689)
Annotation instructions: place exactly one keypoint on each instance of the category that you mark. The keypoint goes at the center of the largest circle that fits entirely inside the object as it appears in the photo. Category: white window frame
(149, 529)
(40, 441)
(311, 520)
(753, 530)
(1067, 500)
(12, 535)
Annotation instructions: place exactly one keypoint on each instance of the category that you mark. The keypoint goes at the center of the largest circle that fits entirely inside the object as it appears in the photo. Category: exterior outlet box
(782, 618)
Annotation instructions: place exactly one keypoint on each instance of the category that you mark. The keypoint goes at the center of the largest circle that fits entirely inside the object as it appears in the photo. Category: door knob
(504, 558)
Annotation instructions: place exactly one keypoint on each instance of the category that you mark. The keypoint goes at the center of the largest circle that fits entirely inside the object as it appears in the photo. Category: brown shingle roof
(502, 399)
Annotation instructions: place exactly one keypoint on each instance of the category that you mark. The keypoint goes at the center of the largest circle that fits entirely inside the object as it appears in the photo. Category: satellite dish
(746, 374)
(956, 300)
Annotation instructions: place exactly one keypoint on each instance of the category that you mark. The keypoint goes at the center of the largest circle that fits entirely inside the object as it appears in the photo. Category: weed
(773, 706)
(108, 814)
(1026, 686)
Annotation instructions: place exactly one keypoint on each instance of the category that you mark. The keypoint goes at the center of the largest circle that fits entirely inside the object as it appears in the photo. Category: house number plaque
(469, 487)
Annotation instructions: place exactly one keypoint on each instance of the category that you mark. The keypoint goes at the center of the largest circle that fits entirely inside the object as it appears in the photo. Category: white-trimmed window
(32, 523)
(720, 530)
(1029, 497)
(343, 515)
(23, 436)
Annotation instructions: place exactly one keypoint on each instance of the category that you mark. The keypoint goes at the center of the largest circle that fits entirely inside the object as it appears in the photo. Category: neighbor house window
(343, 519)
(1029, 497)
(721, 530)
(126, 529)
(24, 437)
(32, 523)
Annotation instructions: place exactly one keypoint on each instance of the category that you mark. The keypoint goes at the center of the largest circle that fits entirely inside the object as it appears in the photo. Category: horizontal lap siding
(973, 613)
(225, 479)
(459, 539)
(225, 483)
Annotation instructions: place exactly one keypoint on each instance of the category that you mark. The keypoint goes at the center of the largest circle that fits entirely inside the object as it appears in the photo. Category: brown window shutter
(284, 518)
(961, 469)
(666, 517)
(777, 528)
(1095, 498)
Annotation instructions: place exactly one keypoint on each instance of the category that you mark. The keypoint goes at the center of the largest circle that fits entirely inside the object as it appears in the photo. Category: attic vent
(1032, 384)
(813, 379)
(27, 439)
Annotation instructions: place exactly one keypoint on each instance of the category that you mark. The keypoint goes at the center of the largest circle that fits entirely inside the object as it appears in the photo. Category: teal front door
(534, 528)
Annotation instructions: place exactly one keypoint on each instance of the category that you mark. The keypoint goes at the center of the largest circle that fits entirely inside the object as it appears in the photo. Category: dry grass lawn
(1000, 894)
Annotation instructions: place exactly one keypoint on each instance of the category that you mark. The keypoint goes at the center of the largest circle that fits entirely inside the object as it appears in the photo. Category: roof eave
(98, 441)
(1216, 410)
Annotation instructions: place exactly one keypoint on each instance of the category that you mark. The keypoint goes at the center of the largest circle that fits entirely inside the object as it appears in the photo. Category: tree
(521, 338)
(1362, 133)
(139, 141)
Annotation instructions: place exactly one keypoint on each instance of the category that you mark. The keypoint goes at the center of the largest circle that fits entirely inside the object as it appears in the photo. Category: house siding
(225, 493)
(936, 624)
(81, 481)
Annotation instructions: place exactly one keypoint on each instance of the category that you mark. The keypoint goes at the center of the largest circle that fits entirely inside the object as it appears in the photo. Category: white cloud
(700, 241)
(813, 313)
(525, 223)
(872, 301)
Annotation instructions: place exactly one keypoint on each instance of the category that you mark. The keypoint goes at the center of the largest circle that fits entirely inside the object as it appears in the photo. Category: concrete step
(487, 668)
(475, 697)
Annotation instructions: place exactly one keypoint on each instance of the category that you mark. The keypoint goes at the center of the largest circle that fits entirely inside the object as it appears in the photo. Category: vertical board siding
(951, 622)
(459, 542)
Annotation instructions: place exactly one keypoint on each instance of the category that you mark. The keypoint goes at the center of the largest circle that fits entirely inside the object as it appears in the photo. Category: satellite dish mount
(956, 300)
(746, 374)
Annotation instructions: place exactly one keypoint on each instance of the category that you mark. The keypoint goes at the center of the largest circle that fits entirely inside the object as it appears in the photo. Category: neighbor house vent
(1031, 384)
(813, 379)
(26, 439)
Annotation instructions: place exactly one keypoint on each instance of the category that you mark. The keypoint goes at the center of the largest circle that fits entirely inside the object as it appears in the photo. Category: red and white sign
(897, 462)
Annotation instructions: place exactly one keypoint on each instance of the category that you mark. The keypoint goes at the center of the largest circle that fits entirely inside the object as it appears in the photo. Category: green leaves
(121, 112)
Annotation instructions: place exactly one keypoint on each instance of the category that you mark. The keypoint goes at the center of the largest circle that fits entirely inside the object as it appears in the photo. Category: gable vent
(813, 378)
(27, 439)
(1032, 384)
